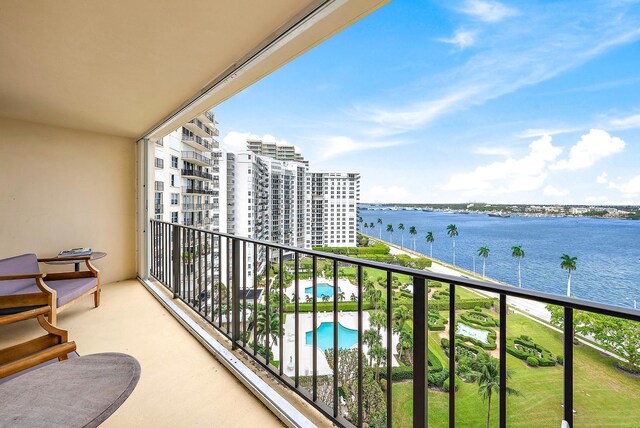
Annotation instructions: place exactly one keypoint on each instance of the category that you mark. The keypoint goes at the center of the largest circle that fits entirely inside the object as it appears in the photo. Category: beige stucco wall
(62, 188)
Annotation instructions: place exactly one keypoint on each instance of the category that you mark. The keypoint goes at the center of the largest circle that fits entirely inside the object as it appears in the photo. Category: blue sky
(503, 102)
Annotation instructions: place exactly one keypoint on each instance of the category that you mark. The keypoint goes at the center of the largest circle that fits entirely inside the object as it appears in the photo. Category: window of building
(173, 180)
(174, 199)
(174, 217)
(174, 161)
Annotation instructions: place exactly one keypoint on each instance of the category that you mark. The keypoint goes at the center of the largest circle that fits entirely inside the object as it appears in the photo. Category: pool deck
(347, 319)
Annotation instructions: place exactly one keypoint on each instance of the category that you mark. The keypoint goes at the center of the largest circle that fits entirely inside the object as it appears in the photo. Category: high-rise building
(279, 151)
(331, 208)
(191, 176)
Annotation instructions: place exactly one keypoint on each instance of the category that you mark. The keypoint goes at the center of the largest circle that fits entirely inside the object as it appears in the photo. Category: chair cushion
(19, 265)
(69, 289)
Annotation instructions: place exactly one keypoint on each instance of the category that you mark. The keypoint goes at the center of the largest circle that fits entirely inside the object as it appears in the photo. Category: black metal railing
(196, 173)
(238, 286)
(193, 156)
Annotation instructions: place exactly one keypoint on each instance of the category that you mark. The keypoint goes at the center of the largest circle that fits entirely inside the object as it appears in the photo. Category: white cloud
(462, 39)
(630, 188)
(340, 145)
(492, 151)
(539, 132)
(592, 147)
(509, 176)
(554, 191)
(602, 178)
(522, 52)
(387, 194)
(626, 122)
(487, 11)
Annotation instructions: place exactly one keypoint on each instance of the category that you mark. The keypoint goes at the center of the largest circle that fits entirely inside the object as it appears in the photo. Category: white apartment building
(331, 208)
(191, 176)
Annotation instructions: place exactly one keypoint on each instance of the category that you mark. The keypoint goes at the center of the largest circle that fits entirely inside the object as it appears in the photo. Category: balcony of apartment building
(198, 190)
(199, 364)
(196, 142)
(196, 158)
(196, 174)
(197, 127)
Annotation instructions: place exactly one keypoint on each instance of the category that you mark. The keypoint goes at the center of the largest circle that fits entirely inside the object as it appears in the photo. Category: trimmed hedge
(542, 355)
(328, 306)
(377, 248)
(533, 361)
(477, 317)
(443, 305)
(406, 372)
(435, 322)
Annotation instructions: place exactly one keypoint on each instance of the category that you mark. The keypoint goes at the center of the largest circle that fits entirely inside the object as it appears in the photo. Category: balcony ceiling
(121, 67)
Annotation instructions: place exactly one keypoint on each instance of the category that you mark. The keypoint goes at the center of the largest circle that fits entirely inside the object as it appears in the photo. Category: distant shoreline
(627, 212)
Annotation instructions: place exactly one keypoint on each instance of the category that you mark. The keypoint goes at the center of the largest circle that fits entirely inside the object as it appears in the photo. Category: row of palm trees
(567, 262)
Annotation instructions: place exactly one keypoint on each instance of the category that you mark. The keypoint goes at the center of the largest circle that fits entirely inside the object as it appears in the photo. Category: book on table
(74, 252)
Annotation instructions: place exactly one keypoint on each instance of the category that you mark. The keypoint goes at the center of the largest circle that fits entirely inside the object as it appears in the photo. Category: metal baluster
(280, 312)
(503, 360)
(219, 284)
(267, 318)
(206, 274)
(452, 355)
(568, 365)
(336, 402)
(229, 279)
(244, 293)
(360, 350)
(389, 348)
(235, 330)
(255, 298)
(175, 262)
(314, 329)
(199, 271)
(297, 316)
(420, 356)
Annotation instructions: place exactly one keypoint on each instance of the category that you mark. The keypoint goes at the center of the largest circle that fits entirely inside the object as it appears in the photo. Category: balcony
(196, 190)
(196, 158)
(195, 173)
(196, 142)
(162, 346)
(311, 375)
(198, 128)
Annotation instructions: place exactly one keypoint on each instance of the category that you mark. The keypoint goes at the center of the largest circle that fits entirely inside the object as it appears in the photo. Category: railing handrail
(570, 302)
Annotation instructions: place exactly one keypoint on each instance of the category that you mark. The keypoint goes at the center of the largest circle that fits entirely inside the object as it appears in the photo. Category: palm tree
(377, 320)
(489, 382)
(371, 225)
(430, 240)
(371, 337)
(568, 263)
(517, 252)
(390, 230)
(308, 298)
(484, 253)
(379, 354)
(401, 229)
(341, 296)
(380, 228)
(452, 231)
(405, 340)
(413, 232)
(353, 297)
(274, 325)
(400, 316)
(366, 225)
(325, 298)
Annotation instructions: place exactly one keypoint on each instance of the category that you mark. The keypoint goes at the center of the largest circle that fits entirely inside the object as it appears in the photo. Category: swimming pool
(347, 338)
(322, 290)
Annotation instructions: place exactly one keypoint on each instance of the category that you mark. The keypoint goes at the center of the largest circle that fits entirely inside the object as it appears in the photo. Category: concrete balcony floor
(181, 383)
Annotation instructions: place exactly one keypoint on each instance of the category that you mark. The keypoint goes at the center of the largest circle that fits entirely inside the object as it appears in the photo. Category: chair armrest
(57, 259)
(22, 276)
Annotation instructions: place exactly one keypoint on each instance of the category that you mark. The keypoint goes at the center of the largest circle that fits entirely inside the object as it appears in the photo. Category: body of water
(322, 290)
(608, 250)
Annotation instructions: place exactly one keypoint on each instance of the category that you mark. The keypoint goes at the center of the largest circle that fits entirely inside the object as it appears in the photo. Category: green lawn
(603, 396)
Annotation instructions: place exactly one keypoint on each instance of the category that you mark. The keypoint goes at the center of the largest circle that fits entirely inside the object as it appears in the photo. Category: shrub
(477, 309)
(560, 359)
(437, 378)
(442, 304)
(528, 348)
(328, 306)
(533, 361)
(446, 384)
